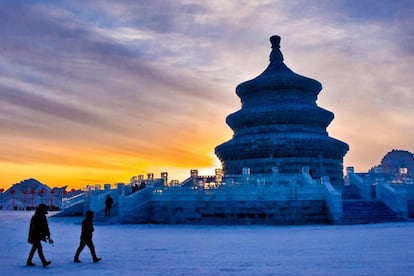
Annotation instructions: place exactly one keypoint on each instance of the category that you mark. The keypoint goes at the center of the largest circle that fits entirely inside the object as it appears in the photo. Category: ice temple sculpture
(280, 126)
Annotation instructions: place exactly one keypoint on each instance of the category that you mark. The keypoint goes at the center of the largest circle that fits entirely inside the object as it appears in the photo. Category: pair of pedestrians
(39, 231)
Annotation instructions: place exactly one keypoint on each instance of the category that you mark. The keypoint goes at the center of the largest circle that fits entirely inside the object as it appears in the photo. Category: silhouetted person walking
(39, 231)
(108, 205)
(86, 238)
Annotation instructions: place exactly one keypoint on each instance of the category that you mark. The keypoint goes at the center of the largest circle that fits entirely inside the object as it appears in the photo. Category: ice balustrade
(134, 200)
(395, 198)
(333, 199)
(363, 188)
(72, 201)
(133, 206)
(248, 187)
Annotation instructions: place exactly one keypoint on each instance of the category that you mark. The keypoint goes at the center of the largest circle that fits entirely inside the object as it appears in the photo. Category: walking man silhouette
(86, 238)
(39, 231)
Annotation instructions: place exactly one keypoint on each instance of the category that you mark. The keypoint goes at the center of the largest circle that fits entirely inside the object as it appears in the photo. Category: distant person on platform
(108, 205)
(135, 188)
(86, 238)
(142, 186)
(39, 231)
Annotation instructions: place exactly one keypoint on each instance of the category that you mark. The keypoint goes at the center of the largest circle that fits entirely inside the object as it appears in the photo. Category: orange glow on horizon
(59, 166)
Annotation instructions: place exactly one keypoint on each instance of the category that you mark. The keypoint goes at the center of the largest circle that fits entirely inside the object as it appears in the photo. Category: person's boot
(46, 263)
(76, 258)
(29, 263)
(93, 253)
(96, 259)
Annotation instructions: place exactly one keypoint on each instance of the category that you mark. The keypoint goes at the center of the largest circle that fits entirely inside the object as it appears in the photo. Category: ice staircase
(359, 211)
(348, 193)
(367, 211)
(99, 216)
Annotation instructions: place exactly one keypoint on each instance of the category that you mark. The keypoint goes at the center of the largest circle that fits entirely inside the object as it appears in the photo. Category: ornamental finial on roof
(275, 40)
(276, 54)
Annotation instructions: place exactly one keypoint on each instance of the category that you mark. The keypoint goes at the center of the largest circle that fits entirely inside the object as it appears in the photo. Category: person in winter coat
(108, 205)
(39, 231)
(86, 238)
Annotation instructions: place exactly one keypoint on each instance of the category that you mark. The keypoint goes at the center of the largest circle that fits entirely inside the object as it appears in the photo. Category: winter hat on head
(43, 207)
(89, 214)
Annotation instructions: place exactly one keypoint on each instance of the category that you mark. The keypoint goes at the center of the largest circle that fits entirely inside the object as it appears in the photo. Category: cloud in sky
(99, 91)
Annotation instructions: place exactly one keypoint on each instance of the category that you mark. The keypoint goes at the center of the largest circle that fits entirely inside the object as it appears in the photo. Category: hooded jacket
(39, 228)
(87, 226)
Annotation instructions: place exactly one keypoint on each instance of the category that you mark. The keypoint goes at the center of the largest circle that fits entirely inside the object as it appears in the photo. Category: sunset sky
(94, 92)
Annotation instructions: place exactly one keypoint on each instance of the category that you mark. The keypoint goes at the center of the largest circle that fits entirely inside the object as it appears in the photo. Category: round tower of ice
(280, 125)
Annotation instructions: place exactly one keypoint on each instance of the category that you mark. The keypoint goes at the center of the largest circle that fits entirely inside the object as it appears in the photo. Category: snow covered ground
(377, 249)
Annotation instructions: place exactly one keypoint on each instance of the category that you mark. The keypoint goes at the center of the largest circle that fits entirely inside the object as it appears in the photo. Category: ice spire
(276, 55)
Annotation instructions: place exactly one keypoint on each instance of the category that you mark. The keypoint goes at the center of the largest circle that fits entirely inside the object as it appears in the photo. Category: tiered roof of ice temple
(280, 125)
